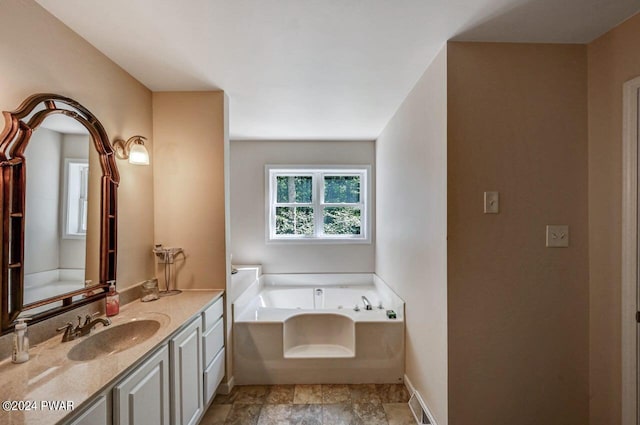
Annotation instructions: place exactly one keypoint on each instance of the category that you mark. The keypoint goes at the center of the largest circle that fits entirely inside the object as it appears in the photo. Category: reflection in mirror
(57, 211)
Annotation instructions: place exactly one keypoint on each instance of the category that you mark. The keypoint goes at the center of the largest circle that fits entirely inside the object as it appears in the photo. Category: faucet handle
(88, 317)
(69, 332)
(66, 327)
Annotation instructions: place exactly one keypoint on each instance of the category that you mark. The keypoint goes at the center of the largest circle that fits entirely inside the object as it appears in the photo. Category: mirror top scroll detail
(59, 186)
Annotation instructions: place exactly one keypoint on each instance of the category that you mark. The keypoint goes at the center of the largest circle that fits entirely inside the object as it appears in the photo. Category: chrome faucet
(367, 304)
(71, 332)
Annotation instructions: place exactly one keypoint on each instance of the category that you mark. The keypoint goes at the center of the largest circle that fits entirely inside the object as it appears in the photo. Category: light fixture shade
(138, 154)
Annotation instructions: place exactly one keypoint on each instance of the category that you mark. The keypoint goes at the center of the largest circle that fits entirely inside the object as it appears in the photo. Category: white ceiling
(314, 69)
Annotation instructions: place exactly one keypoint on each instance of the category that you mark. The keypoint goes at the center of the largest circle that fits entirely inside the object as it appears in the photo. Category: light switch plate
(557, 236)
(491, 202)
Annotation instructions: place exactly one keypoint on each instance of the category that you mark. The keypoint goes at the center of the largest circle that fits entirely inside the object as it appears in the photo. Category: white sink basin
(114, 339)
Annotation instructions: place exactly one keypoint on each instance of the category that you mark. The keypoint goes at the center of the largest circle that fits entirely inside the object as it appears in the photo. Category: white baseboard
(413, 392)
(226, 387)
(409, 385)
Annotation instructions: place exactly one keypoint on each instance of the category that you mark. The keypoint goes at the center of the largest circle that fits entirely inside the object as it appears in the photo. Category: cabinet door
(186, 374)
(143, 397)
(96, 414)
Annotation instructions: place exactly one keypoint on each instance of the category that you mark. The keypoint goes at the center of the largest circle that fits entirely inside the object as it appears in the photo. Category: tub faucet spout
(367, 304)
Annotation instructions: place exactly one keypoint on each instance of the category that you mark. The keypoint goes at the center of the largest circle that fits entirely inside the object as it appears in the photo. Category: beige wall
(248, 244)
(40, 54)
(613, 60)
(411, 246)
(518, 312)
(189, 132)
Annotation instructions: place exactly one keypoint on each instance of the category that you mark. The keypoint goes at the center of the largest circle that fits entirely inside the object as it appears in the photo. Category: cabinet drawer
(211, 315)
(213, 341)
(213, 376)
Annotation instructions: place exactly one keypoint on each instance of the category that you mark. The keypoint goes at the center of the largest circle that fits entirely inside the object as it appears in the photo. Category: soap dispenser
(20, 341)
(113, 300)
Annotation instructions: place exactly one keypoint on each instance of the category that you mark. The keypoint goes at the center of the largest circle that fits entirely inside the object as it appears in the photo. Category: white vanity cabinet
(213, 349)
(143, 396)
(97, 413)
(186, 374)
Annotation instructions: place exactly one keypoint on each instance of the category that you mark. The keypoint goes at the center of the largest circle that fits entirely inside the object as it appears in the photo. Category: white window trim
(73, 213)
(272, 170)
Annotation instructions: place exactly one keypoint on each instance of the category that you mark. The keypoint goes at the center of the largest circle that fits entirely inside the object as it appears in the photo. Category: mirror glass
(62, 212)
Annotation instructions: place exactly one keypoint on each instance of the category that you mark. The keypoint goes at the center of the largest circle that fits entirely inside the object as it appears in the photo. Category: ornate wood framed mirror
(49, 230)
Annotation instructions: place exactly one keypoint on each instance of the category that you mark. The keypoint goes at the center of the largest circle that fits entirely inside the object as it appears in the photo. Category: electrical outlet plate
(491, 202)
(557, 236)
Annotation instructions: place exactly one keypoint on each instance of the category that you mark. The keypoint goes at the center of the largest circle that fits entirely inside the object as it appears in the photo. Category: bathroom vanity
(158, 363)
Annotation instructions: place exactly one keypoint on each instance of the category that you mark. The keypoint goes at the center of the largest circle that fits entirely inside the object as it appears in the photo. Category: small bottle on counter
(150, 290)
(20, 341)
(113, 299)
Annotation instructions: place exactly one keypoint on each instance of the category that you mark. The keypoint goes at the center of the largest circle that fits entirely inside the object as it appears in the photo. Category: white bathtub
(314, 328)
(277, 297)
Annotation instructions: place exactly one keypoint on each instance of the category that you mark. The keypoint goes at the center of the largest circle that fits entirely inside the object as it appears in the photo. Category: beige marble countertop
(50, 376)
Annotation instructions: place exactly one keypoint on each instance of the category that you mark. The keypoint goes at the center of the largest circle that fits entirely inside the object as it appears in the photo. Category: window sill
(318, 241)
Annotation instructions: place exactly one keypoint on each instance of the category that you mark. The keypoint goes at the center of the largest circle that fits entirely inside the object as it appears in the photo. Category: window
(317, 204)
(76, 190)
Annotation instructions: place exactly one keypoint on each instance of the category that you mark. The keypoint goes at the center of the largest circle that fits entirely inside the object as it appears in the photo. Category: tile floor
(365, 404)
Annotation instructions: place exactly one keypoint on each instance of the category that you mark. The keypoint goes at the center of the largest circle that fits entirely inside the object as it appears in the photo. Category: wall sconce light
(133, 150)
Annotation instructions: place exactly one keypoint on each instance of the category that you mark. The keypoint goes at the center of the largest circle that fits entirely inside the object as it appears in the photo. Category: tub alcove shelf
(317, 336)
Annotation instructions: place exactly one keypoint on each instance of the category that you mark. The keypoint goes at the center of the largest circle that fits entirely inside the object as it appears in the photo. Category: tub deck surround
(41, 285)
(50, 375)
(242, 279)
(299, 329)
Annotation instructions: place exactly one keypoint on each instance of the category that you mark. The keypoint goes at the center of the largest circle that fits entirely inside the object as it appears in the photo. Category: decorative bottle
(113, 300)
